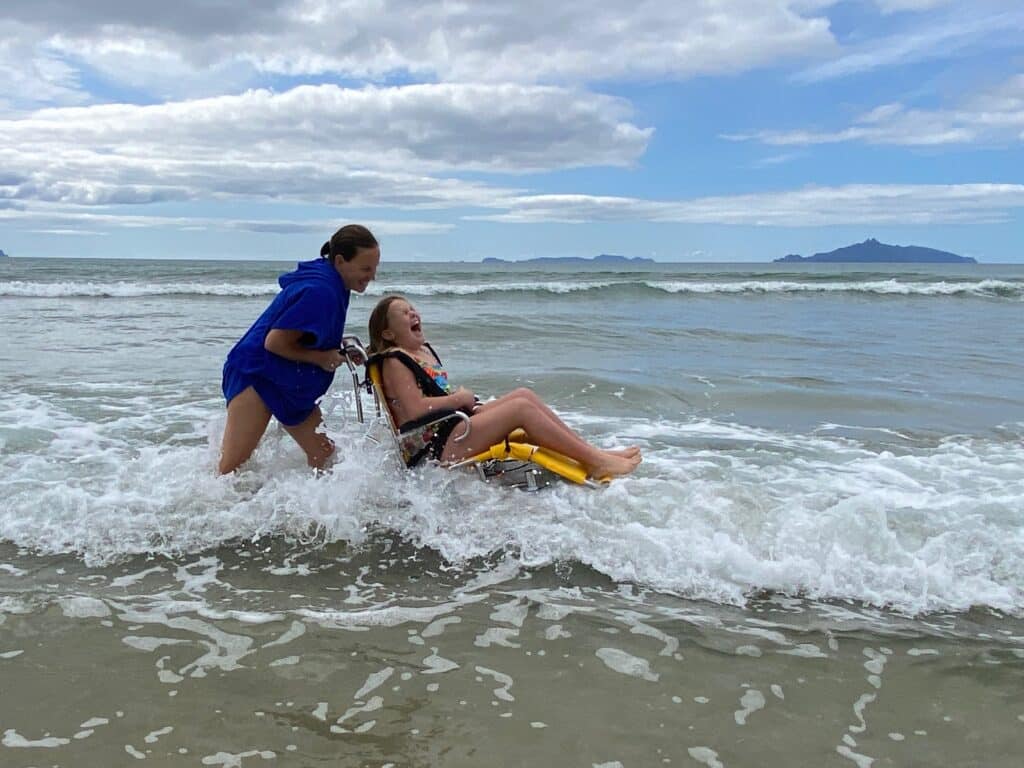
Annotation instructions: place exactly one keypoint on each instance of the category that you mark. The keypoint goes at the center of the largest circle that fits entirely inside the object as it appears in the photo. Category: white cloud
(894, 6)
(326, 144)
(992, 116)
(771, 160)
(483, 110)
(940, 39)
(313, 227)
(185, 17)
(62, 220)
(32, 74)
(189, 47)
(74, 232)
(900, 204)
(883, 204)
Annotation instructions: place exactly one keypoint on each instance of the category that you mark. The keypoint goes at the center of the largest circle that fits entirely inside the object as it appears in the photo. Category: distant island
(873, 252)
(604, 258)
(3, 255)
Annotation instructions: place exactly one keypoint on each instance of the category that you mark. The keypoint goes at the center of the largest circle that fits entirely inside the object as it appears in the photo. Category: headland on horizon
(604, 258)
(873, 252)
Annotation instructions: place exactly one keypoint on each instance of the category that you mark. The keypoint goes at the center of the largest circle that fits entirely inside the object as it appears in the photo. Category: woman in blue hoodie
(286, 361)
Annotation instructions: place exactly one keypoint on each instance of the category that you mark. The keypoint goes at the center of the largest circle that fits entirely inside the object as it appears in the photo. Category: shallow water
(821, 560)
(386, 654)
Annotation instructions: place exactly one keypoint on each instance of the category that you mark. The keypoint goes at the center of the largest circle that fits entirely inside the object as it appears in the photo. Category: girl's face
(404, 326)
(360, 270)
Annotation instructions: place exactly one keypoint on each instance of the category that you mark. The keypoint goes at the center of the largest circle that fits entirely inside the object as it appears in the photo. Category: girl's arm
(288, 344)
(401, 390)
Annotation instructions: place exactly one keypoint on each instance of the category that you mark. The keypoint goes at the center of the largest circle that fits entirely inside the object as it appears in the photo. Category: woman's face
(360, 270)
(404, 326)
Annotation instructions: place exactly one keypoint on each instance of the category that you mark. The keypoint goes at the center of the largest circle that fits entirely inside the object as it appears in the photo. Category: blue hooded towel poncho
(314, 300)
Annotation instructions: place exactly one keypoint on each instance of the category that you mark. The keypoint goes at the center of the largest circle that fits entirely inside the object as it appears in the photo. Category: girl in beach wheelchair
(514, 440)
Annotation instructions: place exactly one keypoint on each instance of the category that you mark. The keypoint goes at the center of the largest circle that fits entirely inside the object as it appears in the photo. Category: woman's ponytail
(347, 241)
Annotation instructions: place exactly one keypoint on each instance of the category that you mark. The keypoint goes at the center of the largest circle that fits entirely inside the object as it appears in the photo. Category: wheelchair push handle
(354, 352)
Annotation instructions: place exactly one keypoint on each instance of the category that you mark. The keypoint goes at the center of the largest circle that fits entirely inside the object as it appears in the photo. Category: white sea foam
(83, 607)
(14, 739)
(938, 527)
(751, 701)
(990, 289)
(707, 756)
(127, 289)
(981, 288)
(471, 289)
(13, 605)
(627, 664)
(374, 681)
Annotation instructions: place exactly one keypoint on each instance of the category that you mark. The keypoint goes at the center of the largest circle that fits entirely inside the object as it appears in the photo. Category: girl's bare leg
(491, 424)
(318, 446)
(248, 417)
(531, 396)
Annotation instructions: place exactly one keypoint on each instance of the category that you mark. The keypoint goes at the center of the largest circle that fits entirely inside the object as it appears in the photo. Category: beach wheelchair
(512, 463)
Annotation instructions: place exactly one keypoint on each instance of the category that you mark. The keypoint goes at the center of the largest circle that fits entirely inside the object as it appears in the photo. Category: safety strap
(427, 384)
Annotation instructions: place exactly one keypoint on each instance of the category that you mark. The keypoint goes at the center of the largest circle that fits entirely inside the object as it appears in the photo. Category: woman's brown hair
(347, 241)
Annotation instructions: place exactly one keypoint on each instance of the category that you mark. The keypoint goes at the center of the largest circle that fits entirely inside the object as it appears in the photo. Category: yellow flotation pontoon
(512, 462)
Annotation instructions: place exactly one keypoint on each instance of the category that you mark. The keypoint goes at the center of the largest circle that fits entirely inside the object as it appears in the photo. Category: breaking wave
(718, 511)
(984, 289)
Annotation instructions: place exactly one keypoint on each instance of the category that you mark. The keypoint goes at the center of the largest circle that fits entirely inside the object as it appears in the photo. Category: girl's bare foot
(614, 466)
(632, 450)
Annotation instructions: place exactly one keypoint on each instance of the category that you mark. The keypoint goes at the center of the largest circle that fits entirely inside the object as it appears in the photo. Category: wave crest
(985, 289)
(125, 289)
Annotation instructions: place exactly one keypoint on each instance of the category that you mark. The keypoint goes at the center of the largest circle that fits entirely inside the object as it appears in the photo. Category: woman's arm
(407, 401)
(288, 344)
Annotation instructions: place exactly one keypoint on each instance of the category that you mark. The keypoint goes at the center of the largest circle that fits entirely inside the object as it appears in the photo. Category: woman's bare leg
(531, 396)
(491, 424)
(318, 446)
(248, 417)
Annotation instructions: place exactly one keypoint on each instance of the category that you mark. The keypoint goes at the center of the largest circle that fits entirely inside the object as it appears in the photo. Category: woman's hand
(330, 360)
(288, 344)
(354, 355)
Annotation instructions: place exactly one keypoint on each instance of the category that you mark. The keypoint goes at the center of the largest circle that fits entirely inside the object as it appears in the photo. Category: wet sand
(271, 653)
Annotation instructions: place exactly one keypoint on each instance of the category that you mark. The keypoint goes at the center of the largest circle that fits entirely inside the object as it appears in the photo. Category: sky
(678, 130)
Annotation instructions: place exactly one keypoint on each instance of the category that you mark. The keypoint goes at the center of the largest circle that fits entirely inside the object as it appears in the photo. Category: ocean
(820, 561)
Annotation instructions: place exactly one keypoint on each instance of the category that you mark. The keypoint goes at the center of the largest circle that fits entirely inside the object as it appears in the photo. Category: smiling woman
(286, 361)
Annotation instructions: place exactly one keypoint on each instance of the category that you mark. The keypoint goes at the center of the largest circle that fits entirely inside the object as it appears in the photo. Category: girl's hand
(331, 359)
(466, 399)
